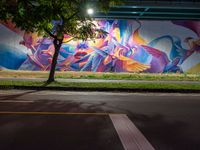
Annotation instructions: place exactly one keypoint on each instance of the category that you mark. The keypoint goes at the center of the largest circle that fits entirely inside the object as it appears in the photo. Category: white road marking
(130, 136)
(13, 101)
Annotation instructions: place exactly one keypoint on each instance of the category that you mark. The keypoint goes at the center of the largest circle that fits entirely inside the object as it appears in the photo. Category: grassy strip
(110, 76)
(81, 85)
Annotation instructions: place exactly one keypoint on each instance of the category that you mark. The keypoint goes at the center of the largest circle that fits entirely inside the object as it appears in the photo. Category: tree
(54, 18)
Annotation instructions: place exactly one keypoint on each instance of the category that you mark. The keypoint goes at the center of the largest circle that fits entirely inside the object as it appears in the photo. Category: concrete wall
(130, 46)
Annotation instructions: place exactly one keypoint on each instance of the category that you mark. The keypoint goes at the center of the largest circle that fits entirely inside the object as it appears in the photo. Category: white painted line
(130, 136)
(12, 101)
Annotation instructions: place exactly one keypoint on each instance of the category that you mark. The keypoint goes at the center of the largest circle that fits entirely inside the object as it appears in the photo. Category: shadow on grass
(46, 83)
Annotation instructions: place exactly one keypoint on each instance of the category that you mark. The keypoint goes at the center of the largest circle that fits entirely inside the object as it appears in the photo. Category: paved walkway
(101, 80)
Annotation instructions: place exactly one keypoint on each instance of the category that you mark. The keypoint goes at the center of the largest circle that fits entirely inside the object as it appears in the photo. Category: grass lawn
(110, 76)
(7, 84)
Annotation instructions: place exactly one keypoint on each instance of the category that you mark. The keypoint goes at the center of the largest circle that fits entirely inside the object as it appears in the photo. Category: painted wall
(130, 46)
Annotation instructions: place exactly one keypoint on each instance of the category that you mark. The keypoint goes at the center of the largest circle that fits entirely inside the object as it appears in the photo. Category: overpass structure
(154, 10)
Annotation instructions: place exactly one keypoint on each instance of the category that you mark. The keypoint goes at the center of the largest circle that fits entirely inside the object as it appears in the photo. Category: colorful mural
(129, 46)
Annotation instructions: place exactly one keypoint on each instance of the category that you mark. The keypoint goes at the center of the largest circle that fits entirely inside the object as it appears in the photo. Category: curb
(128, 90)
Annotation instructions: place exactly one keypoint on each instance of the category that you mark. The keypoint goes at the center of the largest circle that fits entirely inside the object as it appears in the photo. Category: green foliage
(93, 75)
(69, 17)
(37, 15)
(9, 84)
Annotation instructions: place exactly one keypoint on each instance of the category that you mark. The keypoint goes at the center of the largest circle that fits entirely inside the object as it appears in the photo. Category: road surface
(91, 120)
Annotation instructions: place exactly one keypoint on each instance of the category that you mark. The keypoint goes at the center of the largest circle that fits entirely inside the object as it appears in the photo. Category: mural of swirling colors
(129, 46)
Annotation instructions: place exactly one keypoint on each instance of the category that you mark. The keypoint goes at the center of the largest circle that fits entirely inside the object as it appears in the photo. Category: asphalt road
(168, 121)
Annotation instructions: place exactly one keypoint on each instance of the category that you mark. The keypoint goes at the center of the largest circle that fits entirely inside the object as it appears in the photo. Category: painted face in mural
(82, 49)
(128, 46)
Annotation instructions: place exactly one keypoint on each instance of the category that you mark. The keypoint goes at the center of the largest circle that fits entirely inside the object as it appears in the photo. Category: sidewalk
(102, 81)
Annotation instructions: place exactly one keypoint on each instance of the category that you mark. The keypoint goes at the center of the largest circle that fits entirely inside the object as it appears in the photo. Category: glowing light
(90, 11)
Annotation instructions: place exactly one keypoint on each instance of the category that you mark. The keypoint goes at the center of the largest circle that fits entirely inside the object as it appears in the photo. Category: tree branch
(70, 40)
(52, 35)
(72, 16)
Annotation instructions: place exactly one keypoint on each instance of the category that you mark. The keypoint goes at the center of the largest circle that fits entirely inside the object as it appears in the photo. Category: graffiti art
(129, 46)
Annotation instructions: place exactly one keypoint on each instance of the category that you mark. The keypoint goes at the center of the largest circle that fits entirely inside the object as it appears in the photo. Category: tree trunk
(57, 44)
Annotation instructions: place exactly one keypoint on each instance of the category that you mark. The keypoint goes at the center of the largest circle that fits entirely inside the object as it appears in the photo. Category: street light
(90, 11)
